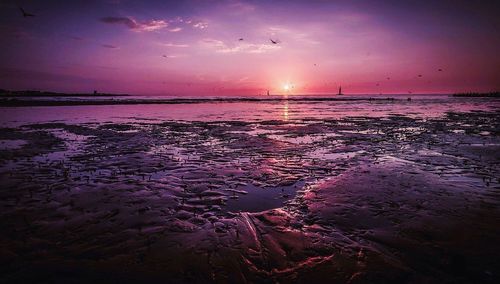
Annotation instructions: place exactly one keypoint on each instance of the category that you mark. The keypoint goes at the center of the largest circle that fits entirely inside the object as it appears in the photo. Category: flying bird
(240, 39)
(420, 75)
(26, 14)
(440, 70)
(274, 41)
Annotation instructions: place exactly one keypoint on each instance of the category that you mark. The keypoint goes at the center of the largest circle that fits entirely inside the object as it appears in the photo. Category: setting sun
(287, 87)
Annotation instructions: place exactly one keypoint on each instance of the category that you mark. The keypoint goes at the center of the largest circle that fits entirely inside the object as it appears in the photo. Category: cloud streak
(154, 25)
(169, 44)
(174, 30)
(131, 23)
(221, 47)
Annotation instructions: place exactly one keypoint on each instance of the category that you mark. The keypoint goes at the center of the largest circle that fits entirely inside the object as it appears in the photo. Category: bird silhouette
(420, 75)
(274, 41)
(26, 14)
(240, 39)
(440, 70)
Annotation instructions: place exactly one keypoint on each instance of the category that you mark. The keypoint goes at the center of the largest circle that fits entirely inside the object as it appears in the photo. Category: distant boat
(268, 92)
(340, 91)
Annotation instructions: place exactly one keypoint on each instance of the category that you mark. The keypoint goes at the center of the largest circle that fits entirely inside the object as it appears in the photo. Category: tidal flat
(368, 196)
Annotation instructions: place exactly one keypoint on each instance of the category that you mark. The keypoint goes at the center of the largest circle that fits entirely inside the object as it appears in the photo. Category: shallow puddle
(251, 198)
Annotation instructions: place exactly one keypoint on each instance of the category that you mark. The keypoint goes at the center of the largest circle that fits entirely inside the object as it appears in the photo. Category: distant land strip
(6, 93)
(478, 95)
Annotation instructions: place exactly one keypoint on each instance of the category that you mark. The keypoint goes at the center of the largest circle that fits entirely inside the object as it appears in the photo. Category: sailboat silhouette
(340, 91)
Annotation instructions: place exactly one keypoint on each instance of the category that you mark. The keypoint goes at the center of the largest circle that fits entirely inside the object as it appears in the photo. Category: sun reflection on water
(285, 111)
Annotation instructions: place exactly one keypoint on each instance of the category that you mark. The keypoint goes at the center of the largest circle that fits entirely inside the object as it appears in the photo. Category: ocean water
(266, 108)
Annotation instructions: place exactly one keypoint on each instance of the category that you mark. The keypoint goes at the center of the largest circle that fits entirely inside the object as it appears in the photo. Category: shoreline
(26, 103)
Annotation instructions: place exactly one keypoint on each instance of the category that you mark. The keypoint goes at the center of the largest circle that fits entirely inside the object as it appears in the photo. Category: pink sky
(193, 47)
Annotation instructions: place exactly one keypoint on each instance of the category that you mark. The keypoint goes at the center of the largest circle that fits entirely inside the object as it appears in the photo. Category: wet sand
(356, 199)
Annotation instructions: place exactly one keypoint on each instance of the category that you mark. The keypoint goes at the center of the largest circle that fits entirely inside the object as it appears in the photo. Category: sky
(235, 47)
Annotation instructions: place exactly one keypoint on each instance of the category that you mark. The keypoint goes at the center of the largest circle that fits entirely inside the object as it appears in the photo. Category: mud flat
(349, 200)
